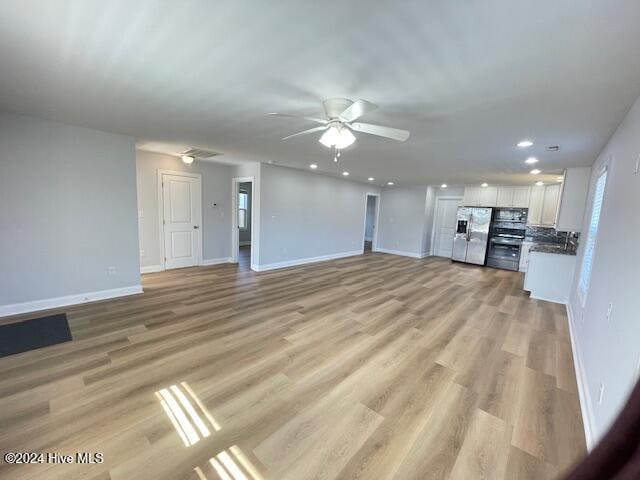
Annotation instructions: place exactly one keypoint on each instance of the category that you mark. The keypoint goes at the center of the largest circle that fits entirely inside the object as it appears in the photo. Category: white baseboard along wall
(586, 403)
(49, 303)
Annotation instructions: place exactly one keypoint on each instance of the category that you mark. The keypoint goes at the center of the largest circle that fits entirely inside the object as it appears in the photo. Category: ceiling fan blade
(311, 119)
(305, 132)
(356, 110)
(379, 130)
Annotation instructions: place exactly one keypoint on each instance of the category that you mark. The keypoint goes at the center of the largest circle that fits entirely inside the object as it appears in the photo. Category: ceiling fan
(341, 115)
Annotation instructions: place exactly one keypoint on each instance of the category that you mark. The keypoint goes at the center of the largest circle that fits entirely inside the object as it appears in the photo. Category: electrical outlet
(111, 270)
(609, 311)
(601, 394)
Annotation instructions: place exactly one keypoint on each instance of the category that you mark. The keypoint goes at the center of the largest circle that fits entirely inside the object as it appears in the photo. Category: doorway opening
(243, 222)
(444, 225)
(370, 242)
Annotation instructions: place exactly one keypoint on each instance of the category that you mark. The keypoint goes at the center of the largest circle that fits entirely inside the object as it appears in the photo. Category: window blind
(592, 233)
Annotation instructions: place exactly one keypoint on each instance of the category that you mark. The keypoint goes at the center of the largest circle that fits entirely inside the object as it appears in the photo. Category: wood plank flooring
(370, 367)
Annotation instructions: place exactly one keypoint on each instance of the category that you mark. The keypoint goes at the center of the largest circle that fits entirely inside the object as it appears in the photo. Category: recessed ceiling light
(346, 174)
(187, 159)
(535, 171)
(531, 160)
(313, 166)
(371, 179)
(444, 185)
(539, 184)
(485, 184)
(389, 183)
(525, 143)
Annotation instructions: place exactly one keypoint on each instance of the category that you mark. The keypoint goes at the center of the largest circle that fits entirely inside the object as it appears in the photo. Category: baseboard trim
(403, 253)
(586, 404)
(304, 261)
(151, 269)
(551, 300)
(49, 303)
(216, 261)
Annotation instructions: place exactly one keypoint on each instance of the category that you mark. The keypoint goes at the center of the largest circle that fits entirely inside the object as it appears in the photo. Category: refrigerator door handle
(469, 228)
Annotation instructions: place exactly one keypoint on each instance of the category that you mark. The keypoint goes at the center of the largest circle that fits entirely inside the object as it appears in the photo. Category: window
(243, 200)
(590, 246)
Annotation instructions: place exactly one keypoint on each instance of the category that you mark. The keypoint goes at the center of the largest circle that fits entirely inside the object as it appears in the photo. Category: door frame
(160, 173)
(432, 247)
(374, 242)
(235, 232)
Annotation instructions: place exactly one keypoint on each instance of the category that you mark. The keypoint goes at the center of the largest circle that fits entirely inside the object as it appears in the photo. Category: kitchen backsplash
(550, 235)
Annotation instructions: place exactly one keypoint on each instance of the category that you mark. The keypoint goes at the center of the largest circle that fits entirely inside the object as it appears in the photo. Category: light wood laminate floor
(370, 367)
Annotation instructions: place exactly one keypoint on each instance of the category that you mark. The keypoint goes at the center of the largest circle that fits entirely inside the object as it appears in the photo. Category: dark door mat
(32, 334)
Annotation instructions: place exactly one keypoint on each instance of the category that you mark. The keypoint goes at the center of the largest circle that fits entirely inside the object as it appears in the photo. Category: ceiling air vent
(553, 148)
(200, 153)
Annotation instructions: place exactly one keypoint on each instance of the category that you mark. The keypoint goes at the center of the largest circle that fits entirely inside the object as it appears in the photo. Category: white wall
(402, 221)
(216, 221)
(307, 215)
(429, 212)
(67, 211)
(609, 350)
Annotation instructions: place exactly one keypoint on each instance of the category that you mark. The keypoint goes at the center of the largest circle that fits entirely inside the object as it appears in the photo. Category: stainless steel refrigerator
(472, 234)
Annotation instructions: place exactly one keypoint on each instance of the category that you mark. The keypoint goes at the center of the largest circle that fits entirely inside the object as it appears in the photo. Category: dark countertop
(552, 248)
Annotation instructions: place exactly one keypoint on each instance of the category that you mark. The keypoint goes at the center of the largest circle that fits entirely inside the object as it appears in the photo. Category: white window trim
(583, 289)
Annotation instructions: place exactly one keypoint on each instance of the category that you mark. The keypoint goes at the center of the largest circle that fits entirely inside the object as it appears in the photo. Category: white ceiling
(469, 79)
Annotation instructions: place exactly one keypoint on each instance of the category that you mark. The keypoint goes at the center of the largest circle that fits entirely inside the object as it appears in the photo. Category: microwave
(515, 215)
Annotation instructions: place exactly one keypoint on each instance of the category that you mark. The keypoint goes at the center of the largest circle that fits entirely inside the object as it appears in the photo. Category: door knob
(195, 227)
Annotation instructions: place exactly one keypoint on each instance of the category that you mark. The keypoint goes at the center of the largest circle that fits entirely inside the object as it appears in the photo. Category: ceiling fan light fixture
(329, 137)
(338, 137)
(345, 138)
(187, 159)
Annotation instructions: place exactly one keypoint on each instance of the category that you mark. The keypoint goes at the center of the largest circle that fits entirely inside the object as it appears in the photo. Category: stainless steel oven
(504, 247)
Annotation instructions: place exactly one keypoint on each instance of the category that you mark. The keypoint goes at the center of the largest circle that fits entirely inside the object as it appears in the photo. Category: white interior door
(182, 213)
(445, 225)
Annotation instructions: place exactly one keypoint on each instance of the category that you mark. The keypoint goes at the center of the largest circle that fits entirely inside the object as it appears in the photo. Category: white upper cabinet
(542, 201)
(536, 200)
(505, 196)
(521, 197)
(471, 196)
(488, 196)
(517, 197)
(550, 205)
(573, 199)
